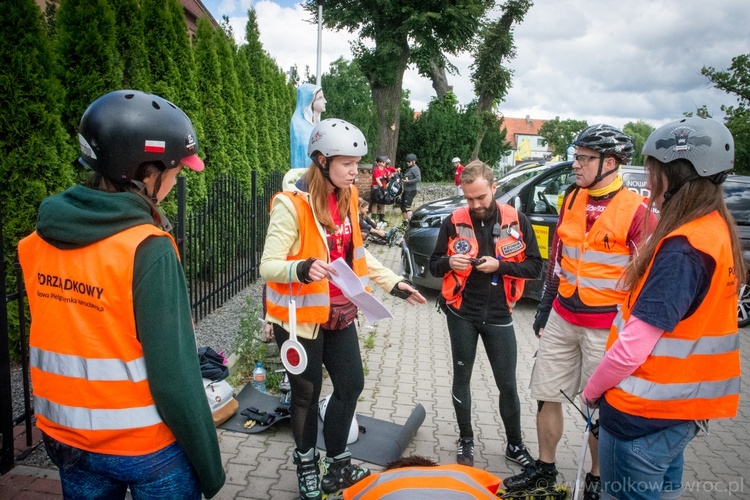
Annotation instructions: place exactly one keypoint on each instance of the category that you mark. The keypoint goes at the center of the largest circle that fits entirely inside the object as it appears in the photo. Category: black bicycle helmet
(123, 129)
(607, 140)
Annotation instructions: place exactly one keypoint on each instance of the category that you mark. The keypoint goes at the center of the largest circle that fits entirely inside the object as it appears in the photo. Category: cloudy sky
(591, 60)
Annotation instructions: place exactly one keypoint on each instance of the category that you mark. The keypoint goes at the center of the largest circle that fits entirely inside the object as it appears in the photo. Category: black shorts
(406, 198)
(377, 195)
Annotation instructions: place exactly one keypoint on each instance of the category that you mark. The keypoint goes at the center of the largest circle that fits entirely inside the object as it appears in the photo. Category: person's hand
(593, 404)
(488, 264)
(459, 262)
(538, 333)
(320, 270)
(415, 297)
(268, 330)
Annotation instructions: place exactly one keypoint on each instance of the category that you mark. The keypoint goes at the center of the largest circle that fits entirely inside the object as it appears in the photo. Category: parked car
(537, 191)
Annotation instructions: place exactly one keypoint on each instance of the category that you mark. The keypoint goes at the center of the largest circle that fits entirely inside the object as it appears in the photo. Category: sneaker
(341, 473)
(391, 237)
(465, 453)
(308, 474)
(592, 489)
(519, 454)
(536, 475)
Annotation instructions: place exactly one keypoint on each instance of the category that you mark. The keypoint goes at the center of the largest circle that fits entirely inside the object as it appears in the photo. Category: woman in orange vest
(313, 222)
(672, 358)
(117, 384)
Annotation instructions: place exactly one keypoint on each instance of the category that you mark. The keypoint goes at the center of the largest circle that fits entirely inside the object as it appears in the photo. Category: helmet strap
(325, 171)
(669, 193)
(600, 175)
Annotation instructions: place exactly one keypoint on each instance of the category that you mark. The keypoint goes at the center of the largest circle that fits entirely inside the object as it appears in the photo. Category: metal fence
(220, 245)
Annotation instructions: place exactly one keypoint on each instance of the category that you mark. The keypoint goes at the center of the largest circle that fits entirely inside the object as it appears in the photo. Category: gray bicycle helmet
(380, 159)
(411, 157)
(334, 137)
(607, 140)
(707, 144)
(123, 129)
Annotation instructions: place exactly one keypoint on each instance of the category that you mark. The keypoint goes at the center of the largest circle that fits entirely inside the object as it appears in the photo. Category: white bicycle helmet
(456, 160)
(333, 137)
(353, 429)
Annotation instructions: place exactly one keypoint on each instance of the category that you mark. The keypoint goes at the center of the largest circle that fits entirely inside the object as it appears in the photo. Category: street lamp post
(320, 41)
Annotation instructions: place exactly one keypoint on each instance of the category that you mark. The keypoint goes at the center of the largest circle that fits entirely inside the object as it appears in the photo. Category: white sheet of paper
(352, 288)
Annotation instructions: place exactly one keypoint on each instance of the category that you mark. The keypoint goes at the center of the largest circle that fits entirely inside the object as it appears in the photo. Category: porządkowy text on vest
(68, 285)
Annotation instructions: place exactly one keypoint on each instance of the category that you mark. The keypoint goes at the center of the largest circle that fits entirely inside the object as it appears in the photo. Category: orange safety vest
(693, 372)
(312, 299)
(509, 247)
(90, 384)
(444, 481)
(594, 261)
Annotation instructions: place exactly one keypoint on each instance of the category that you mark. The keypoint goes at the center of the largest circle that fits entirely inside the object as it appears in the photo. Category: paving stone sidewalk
(409, 363)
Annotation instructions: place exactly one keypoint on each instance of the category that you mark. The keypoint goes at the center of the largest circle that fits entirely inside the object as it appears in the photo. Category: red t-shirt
(379, 176)
(340, 241)
(458, 174)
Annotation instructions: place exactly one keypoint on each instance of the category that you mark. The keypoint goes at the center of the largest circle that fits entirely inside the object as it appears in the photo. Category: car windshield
(513, 179)
(737, 197)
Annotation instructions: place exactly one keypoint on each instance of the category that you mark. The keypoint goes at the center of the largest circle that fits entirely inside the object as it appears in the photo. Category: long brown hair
(99, 182)
(697, 197)
(317, 184)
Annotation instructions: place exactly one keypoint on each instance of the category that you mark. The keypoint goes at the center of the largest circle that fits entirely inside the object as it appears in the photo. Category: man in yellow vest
(599, 229)
(484, 252)
(673, 353)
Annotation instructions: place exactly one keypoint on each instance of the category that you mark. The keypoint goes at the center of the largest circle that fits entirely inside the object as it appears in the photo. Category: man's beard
(482, 213)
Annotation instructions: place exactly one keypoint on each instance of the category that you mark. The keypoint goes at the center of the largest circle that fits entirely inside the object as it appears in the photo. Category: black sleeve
(439, 260)
(531, 266)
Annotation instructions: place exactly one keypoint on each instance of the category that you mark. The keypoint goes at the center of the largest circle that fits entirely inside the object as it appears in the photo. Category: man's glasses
(584, 159)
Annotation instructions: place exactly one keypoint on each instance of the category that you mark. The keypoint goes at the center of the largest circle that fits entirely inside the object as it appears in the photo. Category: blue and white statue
(310, 104)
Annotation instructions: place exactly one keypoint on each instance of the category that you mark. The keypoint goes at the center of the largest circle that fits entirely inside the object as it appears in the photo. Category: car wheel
(743, 306)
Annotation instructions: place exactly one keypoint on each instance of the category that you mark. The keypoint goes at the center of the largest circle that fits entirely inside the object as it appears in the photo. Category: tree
(560, 134)
(639, 132)
(36, 154)
(396, 27)
(87, 45)
(348, 97)
(736, 81)
(491, 78)
(131, 44)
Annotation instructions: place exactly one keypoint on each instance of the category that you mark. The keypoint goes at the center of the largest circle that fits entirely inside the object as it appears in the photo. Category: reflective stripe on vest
(91, 369)
(89, 377)
(693, 372)
(455, 281)
(593, 261)
(313, 299)
(89, 419)
(417, 483)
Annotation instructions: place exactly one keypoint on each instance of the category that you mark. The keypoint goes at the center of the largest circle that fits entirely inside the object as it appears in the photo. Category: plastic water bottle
(571, 152)
(259, 378)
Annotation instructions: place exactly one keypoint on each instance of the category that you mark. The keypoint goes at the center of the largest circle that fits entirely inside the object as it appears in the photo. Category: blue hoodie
(302, 124)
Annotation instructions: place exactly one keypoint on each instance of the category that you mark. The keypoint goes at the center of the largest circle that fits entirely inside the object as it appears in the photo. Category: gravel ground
(218, 330)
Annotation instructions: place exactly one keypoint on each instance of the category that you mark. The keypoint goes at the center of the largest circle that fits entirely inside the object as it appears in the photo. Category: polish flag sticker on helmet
(155, 146)
(86, 149)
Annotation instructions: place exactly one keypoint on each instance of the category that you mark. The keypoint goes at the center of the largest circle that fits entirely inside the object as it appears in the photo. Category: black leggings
(500, 344)
(339, 351)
